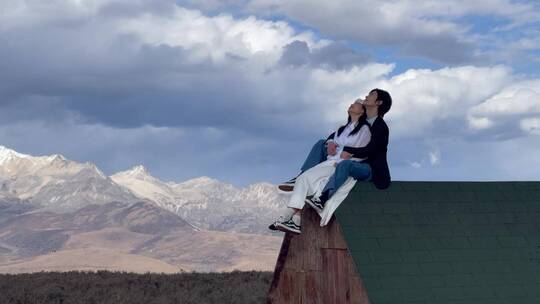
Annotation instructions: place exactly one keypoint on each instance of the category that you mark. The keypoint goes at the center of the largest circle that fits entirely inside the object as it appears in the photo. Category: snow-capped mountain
(61, 185)
(127, 217)
(142, 184)
(56, 183)
(208, 203)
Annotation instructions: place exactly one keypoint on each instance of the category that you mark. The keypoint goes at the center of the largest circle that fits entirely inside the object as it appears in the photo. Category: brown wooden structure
(316, 267)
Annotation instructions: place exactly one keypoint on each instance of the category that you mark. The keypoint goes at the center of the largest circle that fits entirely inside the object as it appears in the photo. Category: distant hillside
(136, 237)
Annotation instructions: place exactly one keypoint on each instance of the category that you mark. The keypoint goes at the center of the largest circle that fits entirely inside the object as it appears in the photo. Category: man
(375, 168)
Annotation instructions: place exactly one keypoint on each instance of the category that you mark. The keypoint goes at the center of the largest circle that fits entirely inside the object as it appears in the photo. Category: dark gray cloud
(444, 48)
(215, 6)
(295, 54)
(336, 55)
(79, 89)
(120, 81)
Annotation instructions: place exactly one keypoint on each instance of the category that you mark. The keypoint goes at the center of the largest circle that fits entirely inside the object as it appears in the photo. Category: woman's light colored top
(358, 140)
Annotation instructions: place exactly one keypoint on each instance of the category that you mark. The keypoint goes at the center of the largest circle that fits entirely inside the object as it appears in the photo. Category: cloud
(530, 125)
(416, 165)
(179, 67)
(216, 37)
(382, 23)
(437, 101)
(240, 98)
(511, 112)
(146, 66)
(435, 157)
(174, 68)
(335, 55)
(436, 30)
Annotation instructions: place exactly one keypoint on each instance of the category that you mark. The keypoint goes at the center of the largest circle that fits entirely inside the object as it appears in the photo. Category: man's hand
(331, 148)
(345, 155)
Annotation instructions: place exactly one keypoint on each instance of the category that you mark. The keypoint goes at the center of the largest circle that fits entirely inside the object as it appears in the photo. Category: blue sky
(239, 90)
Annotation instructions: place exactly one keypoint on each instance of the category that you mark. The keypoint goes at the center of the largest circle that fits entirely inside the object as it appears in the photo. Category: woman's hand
(331, 148)
(345, 155)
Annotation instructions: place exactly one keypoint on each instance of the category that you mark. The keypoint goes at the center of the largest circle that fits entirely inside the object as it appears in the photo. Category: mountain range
(53, 211)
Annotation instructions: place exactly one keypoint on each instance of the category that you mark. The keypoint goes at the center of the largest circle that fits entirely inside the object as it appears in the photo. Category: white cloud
(415, 165)
(425, 101)
(444, 102)
(215, 37)
(333, 91)
(515, 99)
(434, 157)
(479, 123)
(512, 107)
(531, 125)
(162, 22)
(527, 44)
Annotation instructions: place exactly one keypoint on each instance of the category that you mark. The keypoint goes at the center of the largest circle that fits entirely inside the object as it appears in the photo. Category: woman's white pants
(311, 182)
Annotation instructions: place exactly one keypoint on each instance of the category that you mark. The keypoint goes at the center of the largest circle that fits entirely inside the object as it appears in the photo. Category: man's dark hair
(386, 99)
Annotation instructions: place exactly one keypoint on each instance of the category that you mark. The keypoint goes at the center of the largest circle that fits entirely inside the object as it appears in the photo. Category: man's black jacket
(375, 151)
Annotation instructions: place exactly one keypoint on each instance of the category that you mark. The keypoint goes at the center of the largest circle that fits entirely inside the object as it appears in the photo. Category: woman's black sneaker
(288, 226)
(288, 186)
(315, 203)
(273, 226)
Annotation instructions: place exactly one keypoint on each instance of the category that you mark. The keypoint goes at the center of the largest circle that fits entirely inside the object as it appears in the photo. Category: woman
(355, 133)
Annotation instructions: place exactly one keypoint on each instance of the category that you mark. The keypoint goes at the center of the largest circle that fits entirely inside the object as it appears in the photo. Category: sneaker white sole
(284, 192)
(284, 228)
(316, 208)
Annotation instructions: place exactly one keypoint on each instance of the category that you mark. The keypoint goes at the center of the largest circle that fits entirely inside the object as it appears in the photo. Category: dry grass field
(105, 287)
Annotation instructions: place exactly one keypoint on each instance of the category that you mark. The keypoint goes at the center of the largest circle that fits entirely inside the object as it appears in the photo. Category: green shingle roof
(445, 242)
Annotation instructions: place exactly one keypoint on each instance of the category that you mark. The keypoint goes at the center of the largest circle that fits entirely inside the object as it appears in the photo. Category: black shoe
(273, 226)
(315, 203)
(279, 220)
(288, 226)
(324, 196)
(288, 186)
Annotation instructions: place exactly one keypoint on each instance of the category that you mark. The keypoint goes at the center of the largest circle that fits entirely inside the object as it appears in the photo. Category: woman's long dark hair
(361, 121)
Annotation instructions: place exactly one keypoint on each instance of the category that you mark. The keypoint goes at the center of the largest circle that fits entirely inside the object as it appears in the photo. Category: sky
(239, 90)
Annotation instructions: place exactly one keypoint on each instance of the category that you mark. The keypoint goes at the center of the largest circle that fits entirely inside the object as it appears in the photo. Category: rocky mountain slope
(57, 214)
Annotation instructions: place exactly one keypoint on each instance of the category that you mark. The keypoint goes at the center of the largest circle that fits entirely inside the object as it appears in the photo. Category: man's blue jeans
(359, 171)
(316, 156)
